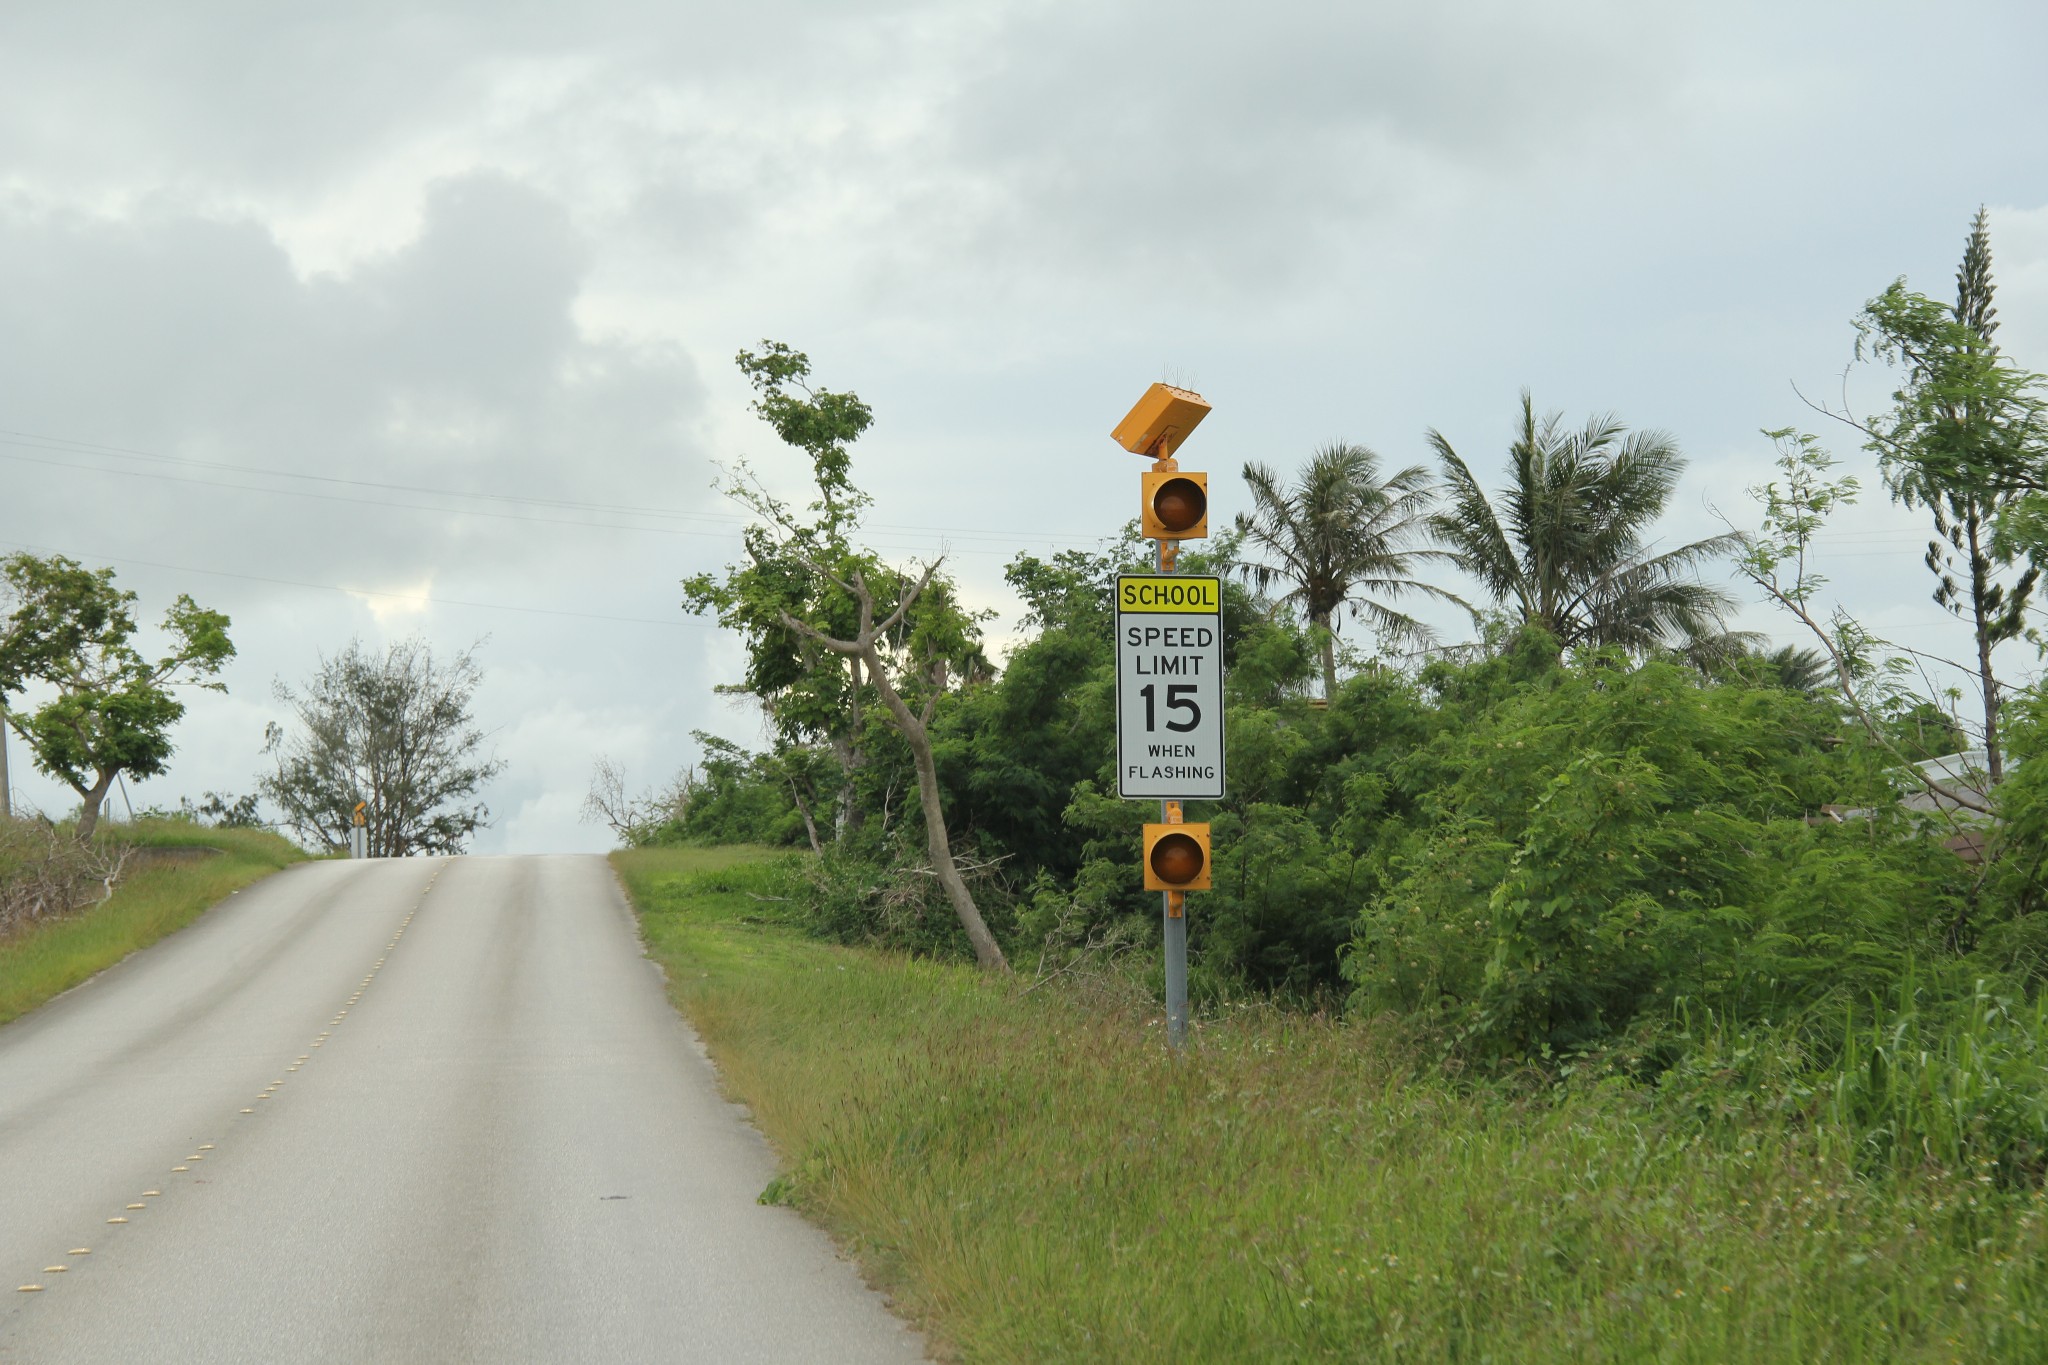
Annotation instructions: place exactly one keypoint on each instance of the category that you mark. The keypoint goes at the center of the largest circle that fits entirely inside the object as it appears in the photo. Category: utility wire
(367, 592)
(28, 440)
(60, 445)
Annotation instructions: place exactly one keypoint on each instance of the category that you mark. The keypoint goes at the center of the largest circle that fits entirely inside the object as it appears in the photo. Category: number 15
(1179, 697)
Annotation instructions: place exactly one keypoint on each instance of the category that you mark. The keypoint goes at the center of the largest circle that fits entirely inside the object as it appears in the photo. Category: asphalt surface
(411, 1110)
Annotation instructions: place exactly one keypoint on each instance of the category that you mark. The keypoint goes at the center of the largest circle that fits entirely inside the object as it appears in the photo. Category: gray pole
(1176, 974)
(1175, 931)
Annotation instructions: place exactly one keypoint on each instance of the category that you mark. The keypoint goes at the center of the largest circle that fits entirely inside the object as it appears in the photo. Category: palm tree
(1807, 671)
(1342, 536)
(1565, 550)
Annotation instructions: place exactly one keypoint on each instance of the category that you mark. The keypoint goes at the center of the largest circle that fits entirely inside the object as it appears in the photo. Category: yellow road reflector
(55, 1269)
(138, 1206)
(28, 1289)
(176, 1169)
(117, 1220)
(79, 1251)
(205, 1146)
(151, 1194)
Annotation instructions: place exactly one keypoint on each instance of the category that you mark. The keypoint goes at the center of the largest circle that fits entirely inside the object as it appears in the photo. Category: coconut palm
(1340, 537)
(1563, 548)
(1806, 671)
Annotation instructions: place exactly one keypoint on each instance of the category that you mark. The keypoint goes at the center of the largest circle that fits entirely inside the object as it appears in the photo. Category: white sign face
(1169, 687)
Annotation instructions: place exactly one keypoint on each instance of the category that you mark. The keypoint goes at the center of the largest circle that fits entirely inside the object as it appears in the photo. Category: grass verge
(1033, 1178)
(51, 956)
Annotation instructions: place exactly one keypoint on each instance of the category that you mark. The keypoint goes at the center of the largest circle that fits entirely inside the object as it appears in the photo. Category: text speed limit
(1169, 686)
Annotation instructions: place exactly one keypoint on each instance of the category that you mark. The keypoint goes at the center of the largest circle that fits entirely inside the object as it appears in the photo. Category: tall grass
(49, 956)
(1958, 1085)
(1033, 1177)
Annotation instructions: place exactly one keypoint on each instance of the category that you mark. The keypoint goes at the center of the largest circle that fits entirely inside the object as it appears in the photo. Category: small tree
(1343, 536)
(1778, 557)
(1564, 547)
(71, 630)
(392, 731)
(1965, 441)
(806, 599)
(653, 817)
(810, 697)
(872, 641)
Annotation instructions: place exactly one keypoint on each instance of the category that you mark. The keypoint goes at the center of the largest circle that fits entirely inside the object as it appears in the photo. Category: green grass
(1032, 1177)
(50, 957)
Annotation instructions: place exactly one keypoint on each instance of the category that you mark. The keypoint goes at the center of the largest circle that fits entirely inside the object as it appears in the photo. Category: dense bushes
(1611, 840)
(1577, 860)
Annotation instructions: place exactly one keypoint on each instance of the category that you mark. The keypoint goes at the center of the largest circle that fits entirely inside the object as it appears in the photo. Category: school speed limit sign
(1169, 686)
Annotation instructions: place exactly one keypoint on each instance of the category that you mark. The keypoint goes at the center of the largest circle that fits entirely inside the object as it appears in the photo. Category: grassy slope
(1033, 1178)
(155, 900)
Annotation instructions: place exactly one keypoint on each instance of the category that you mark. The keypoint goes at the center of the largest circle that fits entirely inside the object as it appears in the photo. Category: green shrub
(1619, 840)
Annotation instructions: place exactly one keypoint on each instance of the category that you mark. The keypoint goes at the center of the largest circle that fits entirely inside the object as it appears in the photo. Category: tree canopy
(391, 730)
(1342, 536)
(1564, 547)
(71, 631)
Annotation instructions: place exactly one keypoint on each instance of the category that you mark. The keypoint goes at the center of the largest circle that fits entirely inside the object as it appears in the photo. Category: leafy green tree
(392, 731)
(1342, 536)
(1966, 417)
(1778, 559)
(71, 630)
(737, 797)
(827, 626)
(1564, 547)
(1964, 442)
(810, 696)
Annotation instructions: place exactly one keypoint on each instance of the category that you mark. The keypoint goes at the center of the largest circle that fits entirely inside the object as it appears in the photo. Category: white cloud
(397, 605)
(501, 255)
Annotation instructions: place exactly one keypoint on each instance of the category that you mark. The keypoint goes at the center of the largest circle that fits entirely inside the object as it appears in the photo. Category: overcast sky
(381, 319)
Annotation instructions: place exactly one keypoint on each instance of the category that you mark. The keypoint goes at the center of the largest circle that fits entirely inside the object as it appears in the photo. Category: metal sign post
(1169, 676)
(359, 832)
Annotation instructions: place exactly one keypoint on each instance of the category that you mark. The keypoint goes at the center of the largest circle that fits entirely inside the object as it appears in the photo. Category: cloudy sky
(379, 319)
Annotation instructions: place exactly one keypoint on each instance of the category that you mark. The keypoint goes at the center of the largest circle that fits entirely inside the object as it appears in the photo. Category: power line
(61, 445)
(66, 445)
(369, 592)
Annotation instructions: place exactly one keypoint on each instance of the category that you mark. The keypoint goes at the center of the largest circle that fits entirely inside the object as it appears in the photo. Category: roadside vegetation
(1612, 983)
(69, 909)
(1029, 1173)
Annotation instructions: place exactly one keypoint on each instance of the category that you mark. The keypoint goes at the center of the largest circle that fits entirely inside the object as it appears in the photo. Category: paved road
(419, 1110)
